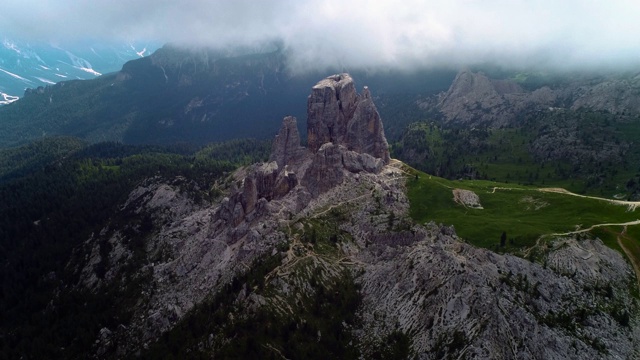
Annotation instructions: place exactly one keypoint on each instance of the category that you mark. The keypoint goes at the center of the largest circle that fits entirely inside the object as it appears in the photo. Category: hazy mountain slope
(153, 100)
(24, 65)
(476, 100)
(195, 96)
(578, 132)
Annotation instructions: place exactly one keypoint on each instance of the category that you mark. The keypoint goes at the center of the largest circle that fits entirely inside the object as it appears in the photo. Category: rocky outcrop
(346, 135)
(474, 99)
(286, 146)
(466, 198)
(365, 133)
(329, 108)
(326, 170)
(617, 96)
(344, 132)
(337, 114)
(465, 302)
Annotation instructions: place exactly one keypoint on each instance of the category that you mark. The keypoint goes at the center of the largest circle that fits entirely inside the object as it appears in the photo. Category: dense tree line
(586, 151)
(52, 206)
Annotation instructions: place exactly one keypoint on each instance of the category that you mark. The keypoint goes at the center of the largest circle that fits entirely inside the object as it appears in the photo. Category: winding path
(634, 222)
(629, 254)
(631, 205)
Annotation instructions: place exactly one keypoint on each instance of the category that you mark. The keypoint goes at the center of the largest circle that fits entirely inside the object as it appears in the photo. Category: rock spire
(338, 114)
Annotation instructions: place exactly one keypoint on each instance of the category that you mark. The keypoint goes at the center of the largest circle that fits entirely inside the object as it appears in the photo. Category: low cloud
(364, 34)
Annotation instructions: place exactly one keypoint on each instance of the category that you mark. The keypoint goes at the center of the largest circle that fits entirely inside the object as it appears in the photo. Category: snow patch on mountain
(89, 70)
(11, 46)
(78, 62)
(15, 76)
(28, 65)
(46, 81)
(7, 99)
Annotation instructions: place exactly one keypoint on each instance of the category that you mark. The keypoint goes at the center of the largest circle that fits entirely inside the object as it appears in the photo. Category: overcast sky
(373, 33)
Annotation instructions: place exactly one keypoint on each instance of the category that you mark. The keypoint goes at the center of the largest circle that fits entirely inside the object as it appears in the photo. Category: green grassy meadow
(523, 212)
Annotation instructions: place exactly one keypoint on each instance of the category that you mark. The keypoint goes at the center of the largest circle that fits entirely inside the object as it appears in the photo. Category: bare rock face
(345, 133)
(474, 98)
(286, 147)
(467, 198)
(364, 131)
(451, 299)
(337, 114)
(616, 96)
(345, 136)
(326, 170)
(329, 108)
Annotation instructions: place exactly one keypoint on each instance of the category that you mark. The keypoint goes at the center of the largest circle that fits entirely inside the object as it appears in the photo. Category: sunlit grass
(523, 212)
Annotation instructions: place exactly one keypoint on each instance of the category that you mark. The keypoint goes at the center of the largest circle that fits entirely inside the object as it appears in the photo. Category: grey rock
(329, 108)
(326, 170)
(357, 162)
(452, 299)
(286, 146)
(365, 133)
(466, 198)
(337, 114)
(474, 99)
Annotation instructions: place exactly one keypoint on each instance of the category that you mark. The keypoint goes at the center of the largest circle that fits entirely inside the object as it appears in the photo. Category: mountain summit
(337, 114)
(345, 135)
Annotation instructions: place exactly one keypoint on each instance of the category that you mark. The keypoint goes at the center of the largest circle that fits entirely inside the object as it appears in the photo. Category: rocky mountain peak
(338, 115)
(346, 137)
(286, 146)
(474, 98)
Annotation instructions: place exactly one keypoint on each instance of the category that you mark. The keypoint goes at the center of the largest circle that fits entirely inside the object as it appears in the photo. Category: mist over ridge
(413, 34)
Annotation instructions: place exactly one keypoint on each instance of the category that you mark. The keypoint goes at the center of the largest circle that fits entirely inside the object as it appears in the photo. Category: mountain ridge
(29, 65)
(316, 216)
(474, 99)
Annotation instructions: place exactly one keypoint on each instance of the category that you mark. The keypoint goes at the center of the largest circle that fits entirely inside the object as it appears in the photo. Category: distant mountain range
(575, 128)
(29, 65)
(196, 96)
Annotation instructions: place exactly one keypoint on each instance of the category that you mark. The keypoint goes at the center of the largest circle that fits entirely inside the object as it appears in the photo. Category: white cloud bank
(404, 34)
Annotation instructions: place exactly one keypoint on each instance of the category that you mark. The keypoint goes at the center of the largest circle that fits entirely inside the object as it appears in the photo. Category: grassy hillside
(524, 213)
(585, 152)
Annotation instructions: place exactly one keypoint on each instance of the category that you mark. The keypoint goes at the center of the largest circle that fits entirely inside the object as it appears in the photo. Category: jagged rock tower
(345, 136)
(338, 115)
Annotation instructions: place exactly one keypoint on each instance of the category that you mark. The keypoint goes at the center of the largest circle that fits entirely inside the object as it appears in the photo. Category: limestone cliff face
(345, 133)
(365, 133)
(474, 99)
(337, 114)
(286, 146)
(346, 136)
(616, 96)
(329, 108)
